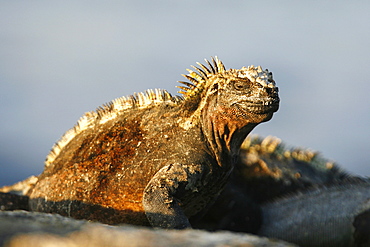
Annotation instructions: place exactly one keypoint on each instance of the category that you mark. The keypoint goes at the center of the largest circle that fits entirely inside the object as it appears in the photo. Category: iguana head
(246, 93)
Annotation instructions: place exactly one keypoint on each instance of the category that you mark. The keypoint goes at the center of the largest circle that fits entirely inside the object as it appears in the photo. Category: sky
(60, 59)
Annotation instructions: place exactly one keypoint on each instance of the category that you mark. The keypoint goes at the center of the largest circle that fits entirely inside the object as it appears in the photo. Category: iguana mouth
(259, 106)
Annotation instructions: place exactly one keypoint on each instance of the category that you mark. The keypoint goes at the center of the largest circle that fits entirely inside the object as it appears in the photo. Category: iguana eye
(240, 85)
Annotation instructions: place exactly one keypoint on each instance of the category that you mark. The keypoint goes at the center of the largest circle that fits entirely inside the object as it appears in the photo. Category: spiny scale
(109, 111)
(198, 80)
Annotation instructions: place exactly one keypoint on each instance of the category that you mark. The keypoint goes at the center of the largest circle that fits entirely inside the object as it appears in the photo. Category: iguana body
(267, 170)
(154, 158)
(294, 195)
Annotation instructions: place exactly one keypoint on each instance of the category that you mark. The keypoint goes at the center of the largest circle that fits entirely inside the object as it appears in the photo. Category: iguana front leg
(161, 199)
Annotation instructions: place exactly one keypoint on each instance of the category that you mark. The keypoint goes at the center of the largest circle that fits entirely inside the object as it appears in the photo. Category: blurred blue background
(59, 59)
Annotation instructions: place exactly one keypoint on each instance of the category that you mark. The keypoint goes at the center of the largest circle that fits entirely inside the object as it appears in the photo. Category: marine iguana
(267, 169)
(153, 157)
(292, 194)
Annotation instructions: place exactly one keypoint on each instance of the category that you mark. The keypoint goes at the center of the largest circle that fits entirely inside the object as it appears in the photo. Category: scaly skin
(154, 158)
(294, 195)
(266, 170)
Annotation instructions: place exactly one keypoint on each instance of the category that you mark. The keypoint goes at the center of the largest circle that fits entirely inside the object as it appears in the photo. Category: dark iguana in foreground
(292, 194)
(156, 158)
(267, 170)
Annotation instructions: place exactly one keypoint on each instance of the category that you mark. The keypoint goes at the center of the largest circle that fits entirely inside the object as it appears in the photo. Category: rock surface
(21, 228)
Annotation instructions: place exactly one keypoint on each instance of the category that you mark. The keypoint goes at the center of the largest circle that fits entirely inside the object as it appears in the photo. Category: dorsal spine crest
(110, 111)
(200, 78)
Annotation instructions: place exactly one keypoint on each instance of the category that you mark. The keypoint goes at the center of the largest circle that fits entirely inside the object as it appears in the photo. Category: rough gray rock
(21, 228)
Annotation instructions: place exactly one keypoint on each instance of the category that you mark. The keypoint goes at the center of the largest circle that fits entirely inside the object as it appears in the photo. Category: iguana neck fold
(225, 132)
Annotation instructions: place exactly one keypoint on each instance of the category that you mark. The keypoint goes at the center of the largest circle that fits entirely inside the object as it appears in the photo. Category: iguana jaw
(260, 106)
